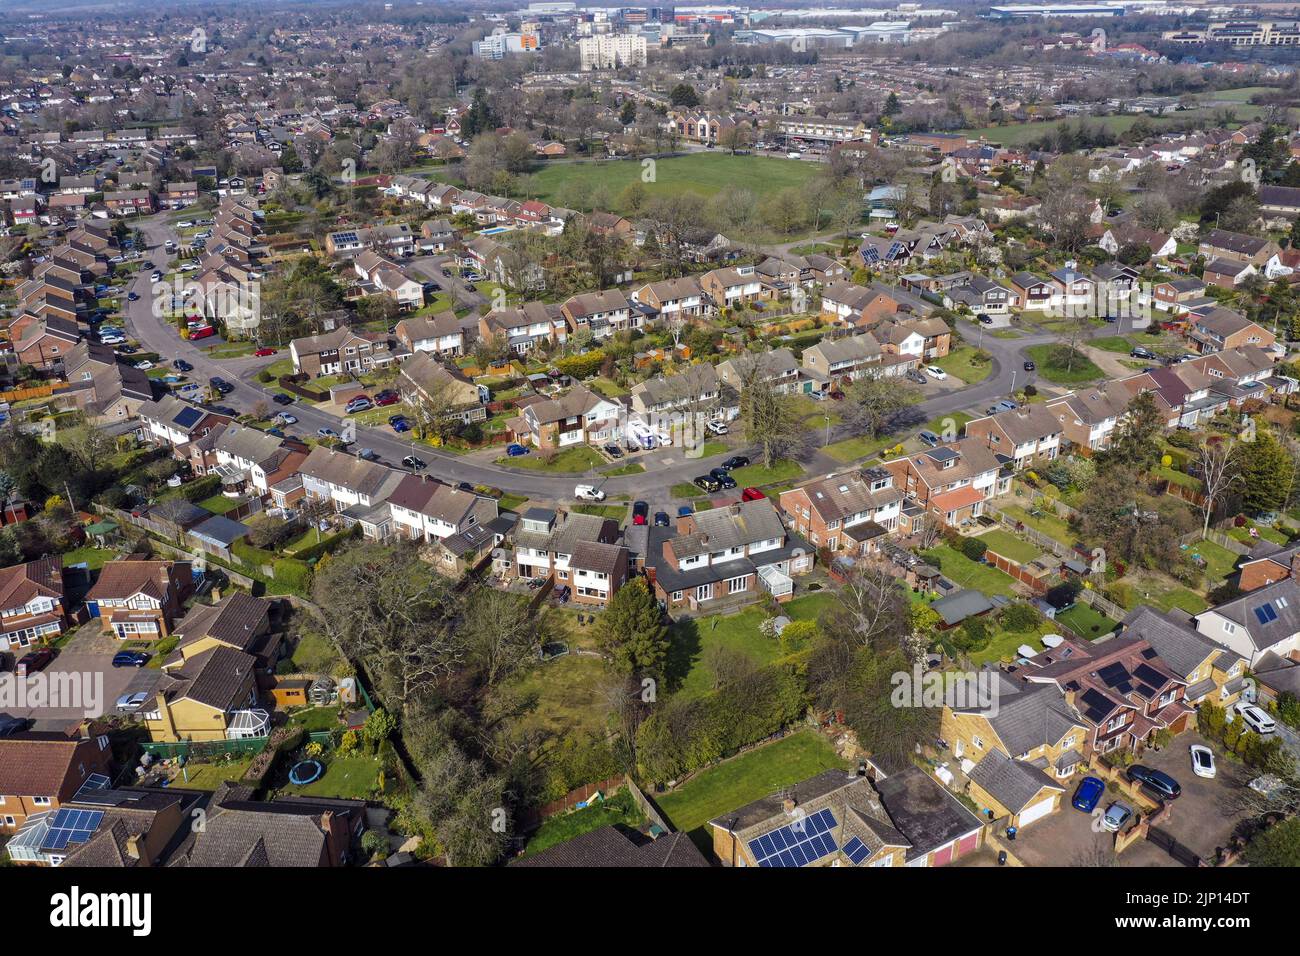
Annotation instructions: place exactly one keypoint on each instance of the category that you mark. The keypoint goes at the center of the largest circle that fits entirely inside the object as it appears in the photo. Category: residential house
(951, 480)
(1265, 620)
(725, 557)
(546, 540)
(733, 286)
(140, 600)
(979, 294)
(1268, 562)
(1227, 273)
(1033, 294)
(440, 333)
(250, 460)
(424, 379)
(611, 846)
(844, 359)
(338, 352)
(119, 828)
(1222, 329)
(32, 609)
(851, 512)
(1088, 418)
(580, 415)
(1212, 672)
(526, 326)
(346, 480)
(777, 369)
(601, 313)
(424, 509)
(1173, 295)
(856, 305)
(670, 299)
(210, 695)
(238, 621)
(693, 389)
(1024, 437)
(1223, 244)
(41, 771)
(173, 422)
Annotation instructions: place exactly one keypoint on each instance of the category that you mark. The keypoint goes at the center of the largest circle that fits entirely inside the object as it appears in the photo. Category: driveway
(84, 680)
(1066, 838)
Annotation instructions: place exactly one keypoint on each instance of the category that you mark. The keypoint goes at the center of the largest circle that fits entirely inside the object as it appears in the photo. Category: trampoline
(306, 771)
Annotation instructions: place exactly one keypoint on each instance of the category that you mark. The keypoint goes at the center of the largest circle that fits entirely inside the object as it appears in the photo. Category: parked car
(735, 461)
(387, 397)
(685, 511)
(929, 438)
(1157, 781)
(132, 296)
(752, 494)
(1202, 760)
(985, 319)
(280, 398)
(284, 418)
(129, 703)
(716, 428)
(707, 483)
(936, 373)
(1117, 814)
(326, 433)
(661, 519)
(182, 366)
(368, 454)
(1029, 365)
(640, 512)
(414, 463)
(912, 375)
(1141, 352)
(400, 424)
(359, 404)
(723, 479)
(202, 332)
(613, 451)
(1006, 405)
(588, 493)
(515, 449)
(12, 725)
(1088, 793)
(130, 659)
(263, 352)
(1256, 719)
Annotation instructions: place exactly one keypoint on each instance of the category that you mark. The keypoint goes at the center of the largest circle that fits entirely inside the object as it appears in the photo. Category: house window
(40, 801)
(677, 595)
(735, 585)
(977, 743)
(1229, 627)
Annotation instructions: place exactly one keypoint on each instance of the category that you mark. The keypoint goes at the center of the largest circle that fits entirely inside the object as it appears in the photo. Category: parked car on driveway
(752, 494)
(936, 373)
(1088, 793)
(929, 438)
(717, 428)
(1256, 719)
(640, 512)
(284, 418)
(707, 483)
(130, 703)
(1202, 760)
(368, 454)
(130, 659)
(735, 461)
(515, 450)
(661, 519)
(359, 404)
(725, 480)
(613, 451)
(1157, 782)
(1117, 814)
(387, 397)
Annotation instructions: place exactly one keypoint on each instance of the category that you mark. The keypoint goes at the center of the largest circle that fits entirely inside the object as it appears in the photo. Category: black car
(225, 410)
(640, 511)
(1156, 781)
(415, 464)
(11, 725)
(1029, 366)
(465, 486)
(182, 366)
(661, 519)
(735, 461)
(613, 451)
(130, 659)
(707, 483)
(280, 398)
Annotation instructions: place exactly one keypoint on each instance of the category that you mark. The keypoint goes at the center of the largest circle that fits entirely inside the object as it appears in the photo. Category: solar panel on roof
(1265, 613)
(797, 844)
(188, 417)
(72, 826)
(856, 851)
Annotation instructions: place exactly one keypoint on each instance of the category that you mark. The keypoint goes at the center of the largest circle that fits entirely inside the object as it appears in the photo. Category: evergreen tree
(632, 631)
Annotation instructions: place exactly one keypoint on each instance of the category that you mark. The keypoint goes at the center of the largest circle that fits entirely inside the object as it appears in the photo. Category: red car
(202, 332)
(387, 398)
(264, 352)
(752, 494)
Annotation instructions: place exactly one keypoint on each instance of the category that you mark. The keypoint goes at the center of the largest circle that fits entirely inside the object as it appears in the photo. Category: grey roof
(236, 619)
(220, 530)
(923, 811)
(744, 523)
(1030, 715)
(956, 607)
(1013, 783)
(614, 847)
(1284, 624)
(1179, 645)
(214, 677)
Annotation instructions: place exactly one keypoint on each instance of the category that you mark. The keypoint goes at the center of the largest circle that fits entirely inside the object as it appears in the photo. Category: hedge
(686, 734)
(198, 490)
(293, 574)
(328, 545)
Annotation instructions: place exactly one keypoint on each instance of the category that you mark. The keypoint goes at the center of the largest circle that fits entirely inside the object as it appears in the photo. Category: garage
(1036, 811)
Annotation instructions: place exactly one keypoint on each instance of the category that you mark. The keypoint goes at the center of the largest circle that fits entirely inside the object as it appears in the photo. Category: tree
(872, 400)
(1135, 444)
(431, 409)
(632, 633)
(501, 631)
(1279, 845)
(379, 726)
(870, 608)
(1217, 467)
(1266, 471)
(684, 95)
(769, 418)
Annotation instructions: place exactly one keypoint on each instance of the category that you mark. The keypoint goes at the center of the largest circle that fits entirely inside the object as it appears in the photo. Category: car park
(707, 483)
(1088, 794)
(1255, 718)
(1156, 782)
(1117, 814)
(1202, 760)
(640, 512)
(130, 659)
(414, 463)
(515, 450)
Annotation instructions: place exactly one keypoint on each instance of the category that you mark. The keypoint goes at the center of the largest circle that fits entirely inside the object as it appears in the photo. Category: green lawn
(747, 778)
(576, 458)
(570, 694)
(967, 573)
(694, 639)
(1048, 524)
(1084, 620)
(313, 719)
(617, 512)
(353, 777)
(684, 489)
(757, 475)
(218, 504)
(1243, 535)
(1081, 370)
(95, 558)
(857, 448)
(617, 809)
(1112, 343)
(1009, 546)
(956, 421)
(209, 776)
(606, 387)
(960, 363)
(1004, 644)
(511, 502)
(1219, 561)
(701, 173)
(631, 468)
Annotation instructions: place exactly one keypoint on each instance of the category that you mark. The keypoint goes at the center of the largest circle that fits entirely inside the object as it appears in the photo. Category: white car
(936, 373)
(1255, 718)
(717, 428)
(588, 493)
(284, 418)
(1202, 760)
(144, 366)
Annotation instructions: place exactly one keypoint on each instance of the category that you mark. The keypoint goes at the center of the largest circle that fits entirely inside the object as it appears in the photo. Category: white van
(588, 493)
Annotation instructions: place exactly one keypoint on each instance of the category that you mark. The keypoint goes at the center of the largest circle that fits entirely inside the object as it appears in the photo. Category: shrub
(373, 842)
(797, 635)
(1063, 595)
(973, 635)
(1020, 617)
(293, 574)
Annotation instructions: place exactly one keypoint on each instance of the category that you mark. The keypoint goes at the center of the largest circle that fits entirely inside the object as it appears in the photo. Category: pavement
(157, 334)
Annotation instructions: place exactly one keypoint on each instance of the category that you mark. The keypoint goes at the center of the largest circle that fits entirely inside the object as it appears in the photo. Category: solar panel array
(1266, 614)
(345, 237)
(797, 844)
(856, 851)
(72, 826)
(188, 417)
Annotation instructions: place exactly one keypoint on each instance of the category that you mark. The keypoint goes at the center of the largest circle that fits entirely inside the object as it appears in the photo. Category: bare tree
(871, 606)
(1219, 472)
(770, 419)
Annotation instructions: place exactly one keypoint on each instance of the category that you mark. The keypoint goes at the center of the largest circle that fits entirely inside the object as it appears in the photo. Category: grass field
(967, 573)
(569, 693)
(960, 362)
(1080, 371)
(701, 173)
(1112, 343)
(746, 778)
(758, 475)
(617, 809)
(1086, 621)
(574, 459)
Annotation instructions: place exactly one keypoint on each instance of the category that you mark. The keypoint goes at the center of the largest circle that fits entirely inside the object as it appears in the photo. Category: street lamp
(827, 416)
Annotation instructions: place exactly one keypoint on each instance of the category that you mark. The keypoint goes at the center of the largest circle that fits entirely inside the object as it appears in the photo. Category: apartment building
(611, 51)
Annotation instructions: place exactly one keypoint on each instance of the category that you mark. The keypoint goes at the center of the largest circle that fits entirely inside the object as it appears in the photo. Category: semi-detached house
(1023, 437)
(31, 603)
(951, 481)
(579, 416)
(849, 513)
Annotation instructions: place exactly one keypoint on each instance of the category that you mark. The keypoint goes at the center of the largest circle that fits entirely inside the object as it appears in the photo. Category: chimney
(734, 509)
(789, 804)
(1295, 565)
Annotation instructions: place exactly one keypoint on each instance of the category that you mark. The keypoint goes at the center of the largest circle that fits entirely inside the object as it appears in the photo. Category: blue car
(1089, 792)
(130, 659)
(515, 450)
(685, 511)
(402, 426)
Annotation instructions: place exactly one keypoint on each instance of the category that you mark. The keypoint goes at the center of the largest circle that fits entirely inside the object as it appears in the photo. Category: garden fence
(1099, 603)
(206, 750)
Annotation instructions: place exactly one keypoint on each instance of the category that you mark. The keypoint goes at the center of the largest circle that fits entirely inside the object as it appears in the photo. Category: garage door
(967, 843)
(1035, 811)
(942, 856)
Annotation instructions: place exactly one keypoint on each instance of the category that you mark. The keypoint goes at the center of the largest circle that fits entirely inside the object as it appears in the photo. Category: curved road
(157, 334)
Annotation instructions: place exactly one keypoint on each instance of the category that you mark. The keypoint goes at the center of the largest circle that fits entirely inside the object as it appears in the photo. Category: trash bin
(1002, 857)
(1011, 833)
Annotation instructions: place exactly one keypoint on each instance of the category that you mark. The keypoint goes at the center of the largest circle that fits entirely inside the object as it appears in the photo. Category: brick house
(140, 600)
(1224, 329)
(31, 603)
(850, 513)
(41, 771)
(334, 353)
(1023, 437)
(950, 481)
(599, 570)
(546, 540)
